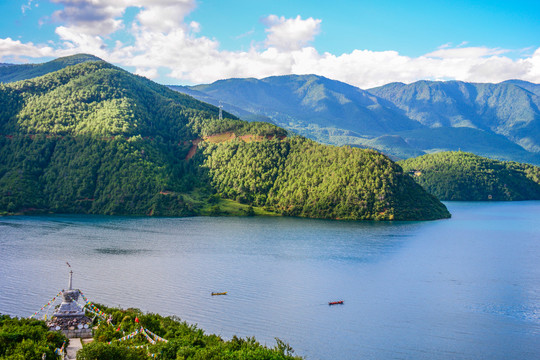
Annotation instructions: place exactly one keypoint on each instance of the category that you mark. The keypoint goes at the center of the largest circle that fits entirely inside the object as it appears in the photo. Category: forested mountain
(13, 72)
(241, 113)
(92, 138)
(463, 176)
(506, 109)
(310, 99)
(325, 110)
(534, 88)
(496, 120)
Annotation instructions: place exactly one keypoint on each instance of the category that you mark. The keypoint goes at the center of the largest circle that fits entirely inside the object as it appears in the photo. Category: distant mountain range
(500, 121)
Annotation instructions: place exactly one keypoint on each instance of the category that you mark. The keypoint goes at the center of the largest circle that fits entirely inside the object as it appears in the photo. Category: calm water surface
(464, 288)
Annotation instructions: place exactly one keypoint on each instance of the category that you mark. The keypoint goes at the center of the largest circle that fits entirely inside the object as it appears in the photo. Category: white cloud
(80, 41)
(163, 16)
(15, 50)
(446, 52)
(90, 17)
(149, 73)
(290, 34)
(164, 40)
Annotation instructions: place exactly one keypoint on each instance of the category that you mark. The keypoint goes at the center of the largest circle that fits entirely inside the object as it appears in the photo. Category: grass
(223, 207)
(226, 207)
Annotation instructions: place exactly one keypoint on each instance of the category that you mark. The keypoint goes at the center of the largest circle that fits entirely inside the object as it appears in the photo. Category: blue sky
(365, 43)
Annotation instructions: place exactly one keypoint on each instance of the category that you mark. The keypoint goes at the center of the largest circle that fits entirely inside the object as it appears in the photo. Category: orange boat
(219, 293)
(340, 302)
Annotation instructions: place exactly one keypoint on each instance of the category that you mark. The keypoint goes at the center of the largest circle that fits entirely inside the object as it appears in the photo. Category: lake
(462, 288)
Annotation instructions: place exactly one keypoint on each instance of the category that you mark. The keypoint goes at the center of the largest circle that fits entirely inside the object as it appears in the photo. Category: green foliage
(94, 139)
(103, 351)
(27, 71)
(185, 341)
(468, 177)
(298, 177)
(89, 175)
(27, 339)
(98, 99)
(208, 127)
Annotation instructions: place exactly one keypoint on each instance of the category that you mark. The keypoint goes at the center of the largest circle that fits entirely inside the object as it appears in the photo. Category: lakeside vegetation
(27, 339)
(184, 341)
(457, 175)
(94, 139)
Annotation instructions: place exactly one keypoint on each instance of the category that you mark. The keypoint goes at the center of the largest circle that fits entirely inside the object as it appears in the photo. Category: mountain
(534, 88)
(13, 72)
(325, 110)
(463, 176)
(496, 109)
(310, 99)
(495, 120)
(93, 138)
(241, 113)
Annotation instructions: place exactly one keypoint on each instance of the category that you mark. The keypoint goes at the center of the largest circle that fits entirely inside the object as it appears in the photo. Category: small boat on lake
(219, 293)
(340, 302)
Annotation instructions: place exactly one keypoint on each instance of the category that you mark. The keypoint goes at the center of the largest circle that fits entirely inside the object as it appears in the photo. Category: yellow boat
(219, 293)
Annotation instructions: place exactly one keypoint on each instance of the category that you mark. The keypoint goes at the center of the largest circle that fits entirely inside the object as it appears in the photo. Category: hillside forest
(91, 138)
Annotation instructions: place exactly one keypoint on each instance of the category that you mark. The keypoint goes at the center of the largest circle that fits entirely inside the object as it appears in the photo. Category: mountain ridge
(395, 118)
(17, 72)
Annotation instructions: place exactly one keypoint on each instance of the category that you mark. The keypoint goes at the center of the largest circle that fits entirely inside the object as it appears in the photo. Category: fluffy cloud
(164, 40)
(15, 50)
(163, 16)
(290, 34)
(90, 17)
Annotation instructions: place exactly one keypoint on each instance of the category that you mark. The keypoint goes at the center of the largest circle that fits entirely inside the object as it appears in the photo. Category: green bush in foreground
(27, 339)
(184, 341)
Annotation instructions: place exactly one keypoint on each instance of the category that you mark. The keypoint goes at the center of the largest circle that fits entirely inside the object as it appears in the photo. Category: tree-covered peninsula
(94, 139)
(457, 175)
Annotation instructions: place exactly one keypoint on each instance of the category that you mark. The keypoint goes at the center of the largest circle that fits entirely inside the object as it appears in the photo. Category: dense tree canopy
(298, 177)
(458, 175)
(27, 339)
(184, 341)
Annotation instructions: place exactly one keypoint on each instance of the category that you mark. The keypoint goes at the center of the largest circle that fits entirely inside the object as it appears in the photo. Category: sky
(363, 43)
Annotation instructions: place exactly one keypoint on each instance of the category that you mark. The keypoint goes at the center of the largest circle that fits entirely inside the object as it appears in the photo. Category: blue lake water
(463, 288)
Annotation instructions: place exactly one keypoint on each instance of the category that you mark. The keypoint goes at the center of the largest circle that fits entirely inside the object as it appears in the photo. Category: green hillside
(298, 177)
(500, 121)
(13, 73)
(92, 138)
(468, 177)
